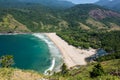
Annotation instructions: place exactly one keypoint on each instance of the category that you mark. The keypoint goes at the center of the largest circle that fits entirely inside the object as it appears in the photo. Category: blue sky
(82, 1)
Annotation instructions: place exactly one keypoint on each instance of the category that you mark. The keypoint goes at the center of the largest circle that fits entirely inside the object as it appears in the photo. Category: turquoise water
(30, 52)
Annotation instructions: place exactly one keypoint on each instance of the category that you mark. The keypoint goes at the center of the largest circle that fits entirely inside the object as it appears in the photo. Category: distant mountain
(89, 16)
(80, 17)
(112, 4)
(49, 3)
(52, 3)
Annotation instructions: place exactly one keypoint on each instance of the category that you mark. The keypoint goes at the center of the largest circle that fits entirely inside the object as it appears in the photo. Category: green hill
(9, 24)
(80, 17)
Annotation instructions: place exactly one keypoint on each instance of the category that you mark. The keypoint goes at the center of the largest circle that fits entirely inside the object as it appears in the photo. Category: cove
(30, 51)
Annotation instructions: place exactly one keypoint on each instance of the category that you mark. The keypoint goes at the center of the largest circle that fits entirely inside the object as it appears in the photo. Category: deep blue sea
(31, 51)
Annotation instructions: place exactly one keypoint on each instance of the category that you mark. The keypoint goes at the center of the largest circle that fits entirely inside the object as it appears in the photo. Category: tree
(64, 69)
(97, 71)
(6, 61)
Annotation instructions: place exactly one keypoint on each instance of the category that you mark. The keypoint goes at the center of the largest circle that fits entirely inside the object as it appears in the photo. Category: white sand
(72, 56)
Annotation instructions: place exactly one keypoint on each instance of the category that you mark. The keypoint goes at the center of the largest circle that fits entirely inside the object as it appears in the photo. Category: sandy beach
(72, 56)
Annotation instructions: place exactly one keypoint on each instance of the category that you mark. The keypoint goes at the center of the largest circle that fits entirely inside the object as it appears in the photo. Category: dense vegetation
(40, 18)
(97, 71)
(109, 41)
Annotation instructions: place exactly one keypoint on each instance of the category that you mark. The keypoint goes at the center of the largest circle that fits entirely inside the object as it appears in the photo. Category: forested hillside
(80, 17)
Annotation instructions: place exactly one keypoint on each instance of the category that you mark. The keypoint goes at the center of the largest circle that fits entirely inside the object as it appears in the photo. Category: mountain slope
(92, 16)
(9, 24)
(112, 4)
(80, 17)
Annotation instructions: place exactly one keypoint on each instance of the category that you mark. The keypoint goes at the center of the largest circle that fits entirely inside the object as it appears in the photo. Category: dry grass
(10, 24)
(95, 24)
(16, 74)
(114, 26)
(84, 26)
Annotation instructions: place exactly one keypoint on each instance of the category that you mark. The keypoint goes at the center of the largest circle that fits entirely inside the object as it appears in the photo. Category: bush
(97, 71)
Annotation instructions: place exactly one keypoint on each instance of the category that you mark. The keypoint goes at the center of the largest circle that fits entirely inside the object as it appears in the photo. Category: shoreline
(72, 56)
(56, 56)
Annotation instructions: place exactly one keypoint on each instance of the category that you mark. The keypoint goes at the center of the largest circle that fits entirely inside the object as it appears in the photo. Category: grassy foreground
(17, 74)
(82, 73)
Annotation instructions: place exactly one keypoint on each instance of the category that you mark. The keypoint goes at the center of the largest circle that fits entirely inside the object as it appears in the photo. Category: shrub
(97, 71)
(6, 61)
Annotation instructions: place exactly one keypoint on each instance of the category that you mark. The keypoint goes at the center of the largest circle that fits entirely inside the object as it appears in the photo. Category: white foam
(53, 49)
(50, 68)
(55, 53)
(11, 33)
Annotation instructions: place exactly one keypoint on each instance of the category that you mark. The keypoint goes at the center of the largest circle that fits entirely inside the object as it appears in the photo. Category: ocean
(31, 51)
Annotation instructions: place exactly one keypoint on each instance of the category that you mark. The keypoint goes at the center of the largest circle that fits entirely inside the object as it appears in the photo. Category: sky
(82, 1)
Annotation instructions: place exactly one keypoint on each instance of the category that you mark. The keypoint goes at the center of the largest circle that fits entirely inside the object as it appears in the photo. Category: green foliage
(109, 41)
(6, 61)
(64, 70)
(97, 71)
(83, 73)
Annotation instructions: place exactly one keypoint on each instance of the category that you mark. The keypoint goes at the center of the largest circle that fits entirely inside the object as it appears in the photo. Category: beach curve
(72, 56)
